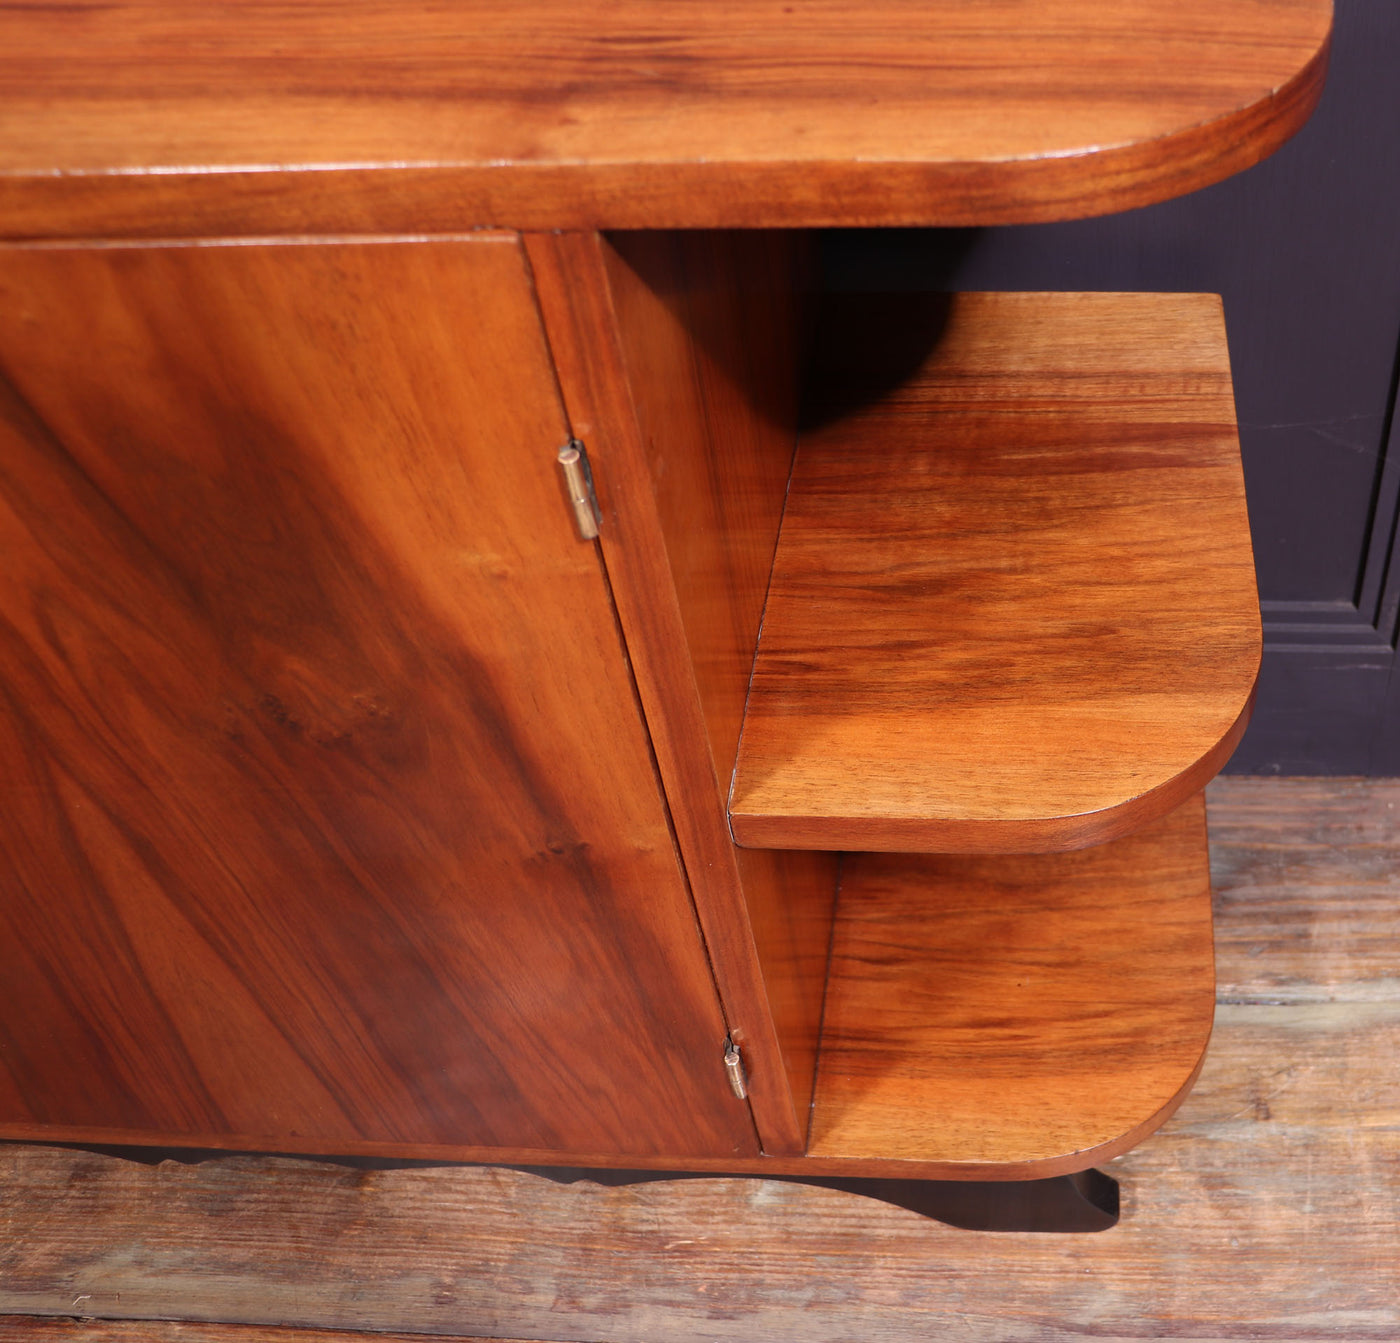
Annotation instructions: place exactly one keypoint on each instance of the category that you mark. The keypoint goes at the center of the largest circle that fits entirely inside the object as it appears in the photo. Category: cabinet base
(1084, 1201)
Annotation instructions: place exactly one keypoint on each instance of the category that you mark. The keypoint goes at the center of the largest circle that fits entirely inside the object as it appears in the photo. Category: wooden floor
(1269, 1208)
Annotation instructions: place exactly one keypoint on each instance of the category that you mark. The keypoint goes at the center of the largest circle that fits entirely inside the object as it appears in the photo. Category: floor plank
(1268, 1208)
(1306, 874)
(50, 1329)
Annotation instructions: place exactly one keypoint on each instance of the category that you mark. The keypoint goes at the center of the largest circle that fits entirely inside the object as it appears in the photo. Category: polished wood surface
(1031, 1014)
(1267, 1208)
(790, 895)
(709, 327)
(1013, 606)
(574, 277)
(327, 812)
(708, 324)
(153, 117)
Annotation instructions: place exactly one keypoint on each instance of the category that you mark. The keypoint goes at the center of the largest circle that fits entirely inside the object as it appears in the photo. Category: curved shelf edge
(1012, 607)
(1016, 1017)
(406, 163)
(1049, 834)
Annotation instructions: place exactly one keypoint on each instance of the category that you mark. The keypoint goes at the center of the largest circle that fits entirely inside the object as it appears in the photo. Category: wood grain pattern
(1268, 1207)
(1031, 1015)
(1312, 916)
(51, 1329)
(151, 117)
(790, 896)
(708, 325)
(1244, 1226)
(1013, 606)
(327, 814)
(577, 303)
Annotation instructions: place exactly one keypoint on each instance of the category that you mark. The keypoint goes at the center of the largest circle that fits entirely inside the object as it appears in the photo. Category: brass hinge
(734, 1069)
(578, 479)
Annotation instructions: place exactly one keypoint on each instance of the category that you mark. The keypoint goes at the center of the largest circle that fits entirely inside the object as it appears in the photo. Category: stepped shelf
(1016, 1016)
(1012, 607)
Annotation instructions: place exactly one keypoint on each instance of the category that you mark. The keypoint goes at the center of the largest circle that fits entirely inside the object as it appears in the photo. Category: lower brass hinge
(578, 479)
(734, 1068)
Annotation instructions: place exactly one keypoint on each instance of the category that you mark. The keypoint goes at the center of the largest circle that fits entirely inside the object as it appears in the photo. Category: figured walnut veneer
(1013, 604)
(327, 815)
(154, 117)
(1016, 1016)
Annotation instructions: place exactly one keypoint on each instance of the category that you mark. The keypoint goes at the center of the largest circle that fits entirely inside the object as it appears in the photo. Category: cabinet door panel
(327, 816)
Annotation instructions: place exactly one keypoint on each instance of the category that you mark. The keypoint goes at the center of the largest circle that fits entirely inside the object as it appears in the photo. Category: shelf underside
(1013, 604)
(1022, 1015)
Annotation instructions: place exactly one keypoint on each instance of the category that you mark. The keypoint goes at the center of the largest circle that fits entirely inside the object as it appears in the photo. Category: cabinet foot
(1085, 1201)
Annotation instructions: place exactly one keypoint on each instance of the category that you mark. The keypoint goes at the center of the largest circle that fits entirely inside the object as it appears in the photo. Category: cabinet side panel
(707, 327)
(710, 330)
(592, 330)
(328, 817)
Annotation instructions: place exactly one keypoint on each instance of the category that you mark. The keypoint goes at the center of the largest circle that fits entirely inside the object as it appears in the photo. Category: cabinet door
(328, 820)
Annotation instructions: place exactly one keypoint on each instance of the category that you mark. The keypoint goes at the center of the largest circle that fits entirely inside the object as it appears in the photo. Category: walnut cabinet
(837, 809)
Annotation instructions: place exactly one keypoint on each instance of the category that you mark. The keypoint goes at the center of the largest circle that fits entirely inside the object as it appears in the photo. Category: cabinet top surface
(635, 113)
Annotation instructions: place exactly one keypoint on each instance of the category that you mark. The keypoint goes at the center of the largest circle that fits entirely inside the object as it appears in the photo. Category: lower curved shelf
(1015, 1017)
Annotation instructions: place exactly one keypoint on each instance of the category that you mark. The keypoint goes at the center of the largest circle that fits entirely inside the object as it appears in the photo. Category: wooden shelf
(160, 118)
(1016, 1016)
(1013, 604)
